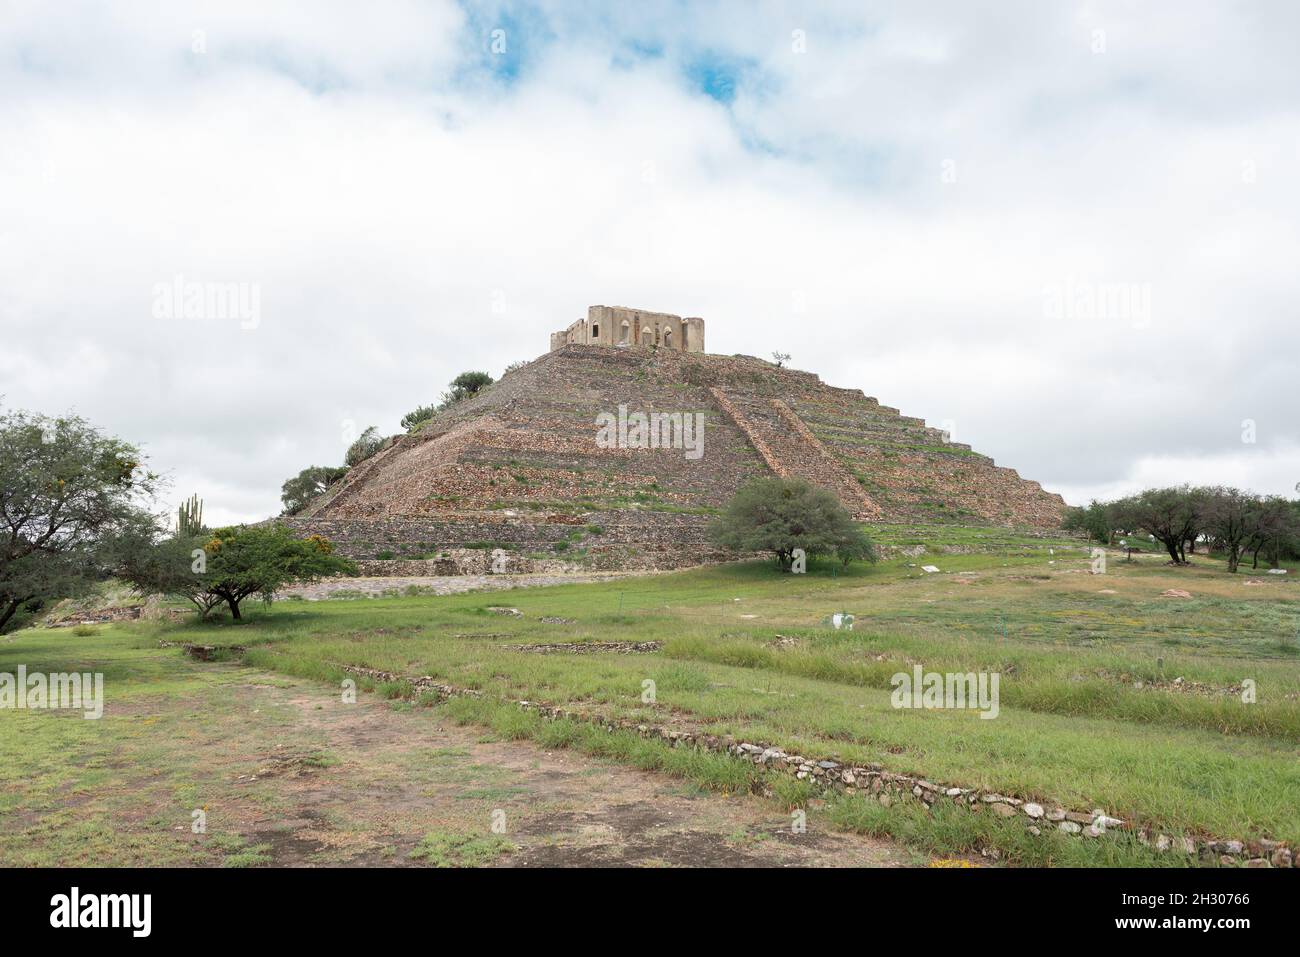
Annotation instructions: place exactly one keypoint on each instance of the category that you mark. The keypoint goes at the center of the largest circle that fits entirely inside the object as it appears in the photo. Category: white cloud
(382, 190)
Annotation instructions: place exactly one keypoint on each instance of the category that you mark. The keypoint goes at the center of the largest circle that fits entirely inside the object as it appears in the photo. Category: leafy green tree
(1241, 522)
(460, 388)
(67, 493)
(463, 386)
(1287, 542)
(1096, 519)
(1236, 522)
(1286, 546)
(251, 559)
(1233, 518)
(779, 515)
(161, 564)
(229, 564)
(1172, 515)
(417, 417)
(312, 481)
(366, 445)
(1278, 525)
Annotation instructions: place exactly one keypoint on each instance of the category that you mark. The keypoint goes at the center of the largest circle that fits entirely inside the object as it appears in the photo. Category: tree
(229, 564)
(251, 559)
(780, 358)
(1096, 519)
(67, 491)
(460, 388)
(1287, 542)
(1230, 520)
(1171, 515)
(1276, 526)
(312, 481)
(463, 386)
(1232, 517)
(779, 515)
(855, 547)
(366, 445)
(417, 417)
(161, 564)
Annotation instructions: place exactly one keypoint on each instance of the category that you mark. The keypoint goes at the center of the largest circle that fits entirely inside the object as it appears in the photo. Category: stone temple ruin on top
(516, 479)
(623, 328)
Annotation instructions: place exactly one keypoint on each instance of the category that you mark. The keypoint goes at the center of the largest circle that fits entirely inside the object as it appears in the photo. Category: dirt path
(219, 764)
(403, 775)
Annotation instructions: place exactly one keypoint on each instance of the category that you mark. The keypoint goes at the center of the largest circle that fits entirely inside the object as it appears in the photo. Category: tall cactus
(189, 517)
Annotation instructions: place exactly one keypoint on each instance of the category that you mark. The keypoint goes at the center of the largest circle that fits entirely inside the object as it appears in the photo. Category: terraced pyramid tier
(588, 453)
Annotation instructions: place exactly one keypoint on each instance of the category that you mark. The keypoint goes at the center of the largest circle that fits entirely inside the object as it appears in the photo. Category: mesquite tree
(1171, 515)
(779, 515)
(1232, 518)
(296, 493)
(1235, 522)
(227, 565)
(68, 493)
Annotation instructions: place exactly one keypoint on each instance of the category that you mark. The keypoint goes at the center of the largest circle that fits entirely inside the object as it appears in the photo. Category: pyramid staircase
(790, 449)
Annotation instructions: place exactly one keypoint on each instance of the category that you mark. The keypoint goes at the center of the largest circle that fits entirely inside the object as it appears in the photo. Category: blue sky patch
(718, 75)
(510, 37)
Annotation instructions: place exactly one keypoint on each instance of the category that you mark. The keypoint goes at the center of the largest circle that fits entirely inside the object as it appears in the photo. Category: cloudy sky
(1068, 231)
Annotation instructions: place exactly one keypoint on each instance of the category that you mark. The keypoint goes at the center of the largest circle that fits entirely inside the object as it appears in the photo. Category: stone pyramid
(522, 474)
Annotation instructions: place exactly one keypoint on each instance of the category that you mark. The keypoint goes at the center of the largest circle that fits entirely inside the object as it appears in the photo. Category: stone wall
(601, 541)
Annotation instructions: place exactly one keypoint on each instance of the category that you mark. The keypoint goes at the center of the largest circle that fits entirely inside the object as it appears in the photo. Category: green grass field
(1070, 647)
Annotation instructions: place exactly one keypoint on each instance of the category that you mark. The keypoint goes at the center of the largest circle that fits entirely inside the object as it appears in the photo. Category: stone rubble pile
(1178, 684)
(151, 610)
(587, 647)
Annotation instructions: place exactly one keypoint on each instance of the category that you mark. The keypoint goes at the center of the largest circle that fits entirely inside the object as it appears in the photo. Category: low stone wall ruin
(888, 787)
